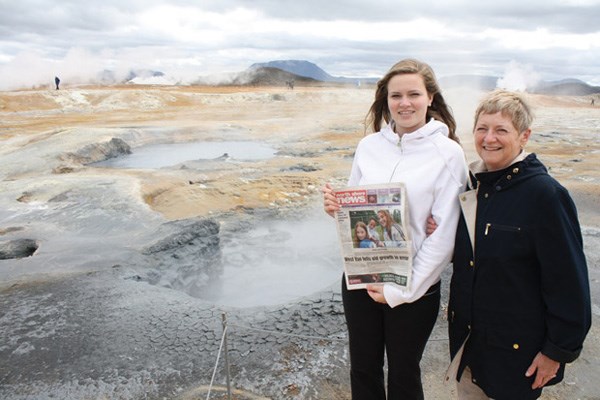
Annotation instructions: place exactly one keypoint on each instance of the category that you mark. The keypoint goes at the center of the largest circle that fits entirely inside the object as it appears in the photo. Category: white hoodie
(433, 168)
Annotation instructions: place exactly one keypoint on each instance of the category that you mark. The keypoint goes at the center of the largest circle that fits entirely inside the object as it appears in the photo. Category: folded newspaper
(373, 230)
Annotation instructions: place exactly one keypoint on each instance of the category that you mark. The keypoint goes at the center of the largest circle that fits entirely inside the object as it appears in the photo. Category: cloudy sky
(75, 39)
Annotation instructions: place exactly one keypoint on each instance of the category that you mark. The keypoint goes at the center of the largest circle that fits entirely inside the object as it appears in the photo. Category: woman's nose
(489, 136)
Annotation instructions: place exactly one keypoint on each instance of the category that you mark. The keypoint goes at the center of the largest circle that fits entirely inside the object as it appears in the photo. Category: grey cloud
(554, 15)
(52, 28)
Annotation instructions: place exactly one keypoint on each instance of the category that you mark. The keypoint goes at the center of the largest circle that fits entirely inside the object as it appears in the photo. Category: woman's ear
(524, 137)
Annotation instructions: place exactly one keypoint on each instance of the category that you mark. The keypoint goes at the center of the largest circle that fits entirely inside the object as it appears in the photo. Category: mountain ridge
(303, 72)
(567, 86)
(310, 70)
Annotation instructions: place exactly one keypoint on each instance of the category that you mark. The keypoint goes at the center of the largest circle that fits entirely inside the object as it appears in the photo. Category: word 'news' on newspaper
(374, 235)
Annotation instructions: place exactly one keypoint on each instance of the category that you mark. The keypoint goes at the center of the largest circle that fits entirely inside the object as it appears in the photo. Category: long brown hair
(379, 111)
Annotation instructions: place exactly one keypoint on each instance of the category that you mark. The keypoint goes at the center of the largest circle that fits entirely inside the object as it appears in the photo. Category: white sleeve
(355, 173)
(436, 250)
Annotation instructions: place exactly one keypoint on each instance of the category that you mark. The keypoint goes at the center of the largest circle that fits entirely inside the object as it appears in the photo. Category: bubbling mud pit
(274, 261)
(265, 261)
(261, 261)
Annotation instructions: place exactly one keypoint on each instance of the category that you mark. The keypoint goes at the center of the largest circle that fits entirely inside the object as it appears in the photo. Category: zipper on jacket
(501, 228)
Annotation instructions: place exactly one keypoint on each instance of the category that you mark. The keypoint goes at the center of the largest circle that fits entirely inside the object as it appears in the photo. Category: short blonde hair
(510, 104)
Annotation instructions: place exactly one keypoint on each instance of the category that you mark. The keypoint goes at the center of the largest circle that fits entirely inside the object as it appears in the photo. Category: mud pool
(168, 154)
(275, 262)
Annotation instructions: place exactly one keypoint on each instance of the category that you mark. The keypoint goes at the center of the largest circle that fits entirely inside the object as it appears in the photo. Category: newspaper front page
(374, 235)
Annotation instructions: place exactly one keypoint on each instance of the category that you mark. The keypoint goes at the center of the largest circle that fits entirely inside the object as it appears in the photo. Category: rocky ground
(79, 315)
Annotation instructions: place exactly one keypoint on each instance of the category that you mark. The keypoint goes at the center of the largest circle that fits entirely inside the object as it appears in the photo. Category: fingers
(541, 380)
(330, 202)
(544, 368)
(376, 296)
(530, 370)
(430, 226)
(376, 293)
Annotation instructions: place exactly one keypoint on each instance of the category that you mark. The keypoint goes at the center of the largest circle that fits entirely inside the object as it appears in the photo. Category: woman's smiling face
(361, 233)
(407, 102)
(382, 219)
(497, 141)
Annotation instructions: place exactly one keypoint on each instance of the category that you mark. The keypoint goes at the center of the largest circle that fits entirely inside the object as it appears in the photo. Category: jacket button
(463, 198)
(486, 195)
(516, 346)
(498, 188)
(509, 177)
(515, 170)
(471, 263)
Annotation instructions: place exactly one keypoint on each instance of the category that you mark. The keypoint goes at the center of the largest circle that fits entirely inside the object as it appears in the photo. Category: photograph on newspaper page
(374, 235)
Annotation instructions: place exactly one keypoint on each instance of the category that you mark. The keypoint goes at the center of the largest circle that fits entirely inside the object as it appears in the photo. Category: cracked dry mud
(78, 318)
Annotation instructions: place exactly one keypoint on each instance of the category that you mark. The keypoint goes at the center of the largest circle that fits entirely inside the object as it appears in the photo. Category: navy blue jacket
(525, 288)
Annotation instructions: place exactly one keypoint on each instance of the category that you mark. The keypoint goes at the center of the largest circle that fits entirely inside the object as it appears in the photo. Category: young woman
(414, 142)
(392, 232)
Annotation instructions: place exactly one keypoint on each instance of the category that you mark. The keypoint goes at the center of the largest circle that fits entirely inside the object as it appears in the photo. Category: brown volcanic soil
(315, 127)
(306, 119)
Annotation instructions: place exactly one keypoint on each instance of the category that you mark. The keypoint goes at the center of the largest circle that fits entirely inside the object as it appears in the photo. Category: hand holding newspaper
(374, 235)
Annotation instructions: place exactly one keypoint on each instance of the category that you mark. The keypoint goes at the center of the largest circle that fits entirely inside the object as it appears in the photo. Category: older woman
(519, 297)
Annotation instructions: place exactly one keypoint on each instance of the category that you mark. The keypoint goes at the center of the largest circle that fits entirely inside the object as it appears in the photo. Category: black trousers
(401, 333)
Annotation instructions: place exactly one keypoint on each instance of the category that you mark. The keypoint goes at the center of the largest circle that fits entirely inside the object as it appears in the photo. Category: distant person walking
(56, 81)
(592, 102)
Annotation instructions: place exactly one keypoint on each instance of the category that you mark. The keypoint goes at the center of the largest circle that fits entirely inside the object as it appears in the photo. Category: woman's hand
(431, 226)
(330, 202)
(376, 293)
(544, 368)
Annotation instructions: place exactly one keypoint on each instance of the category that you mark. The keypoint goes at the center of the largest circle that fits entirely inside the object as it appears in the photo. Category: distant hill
(309, 70)
(269, 76)
(565, 87)
(297, 67)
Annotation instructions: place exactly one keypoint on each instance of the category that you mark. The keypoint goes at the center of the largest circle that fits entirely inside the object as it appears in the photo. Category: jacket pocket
(504, 241)
(520, 343)
(490, 227)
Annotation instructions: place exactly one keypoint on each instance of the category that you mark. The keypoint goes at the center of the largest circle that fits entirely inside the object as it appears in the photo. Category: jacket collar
(478, 166)
(429, 129)
(479, 172)
(522, 168)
